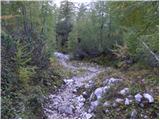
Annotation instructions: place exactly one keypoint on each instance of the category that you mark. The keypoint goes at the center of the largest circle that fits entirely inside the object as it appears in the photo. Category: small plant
(22, 58)
(121, 51)
(25, 73)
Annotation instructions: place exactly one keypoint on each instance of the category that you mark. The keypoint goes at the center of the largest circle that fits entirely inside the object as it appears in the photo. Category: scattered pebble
(127, 101)
(81, 98)
(94, 105)
(99, 92)
(88, 116)
(74, 90)
(106, 111)
(107, 104)
(138, 97)
(111, 81)
(84, 94)
(68, 80)
(148, 97)
(119, 100)
(125, 91)
(134, 114)
(114, 105)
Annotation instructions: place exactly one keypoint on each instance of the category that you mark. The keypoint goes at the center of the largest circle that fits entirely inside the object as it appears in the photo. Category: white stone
(90, 82)
(127, 101)
(113, 80)
(94, 105)
(114, 104)
(119, 100)
(124, 91)
(99, 92)
(148, 97)
(88, 116)
(84, 93)
(81, 98)
(106, 111)
(107, 104)
(138, 97)
(74, 90)
(106, 88)
(80, 105)
(61, 56)
(66, 109)
(134, 114)
(68, 80)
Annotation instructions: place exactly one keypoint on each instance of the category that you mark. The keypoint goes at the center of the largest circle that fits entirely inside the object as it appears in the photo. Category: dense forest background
(118, 34)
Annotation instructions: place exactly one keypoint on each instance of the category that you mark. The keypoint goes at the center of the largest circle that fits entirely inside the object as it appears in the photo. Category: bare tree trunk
(156, 57)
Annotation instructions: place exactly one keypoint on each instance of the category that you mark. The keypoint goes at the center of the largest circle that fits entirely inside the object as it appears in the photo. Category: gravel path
(65, 103)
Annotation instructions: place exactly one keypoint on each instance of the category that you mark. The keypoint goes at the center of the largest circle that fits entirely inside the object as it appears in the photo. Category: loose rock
(127, 101)
(138, 97)
(119, 100)
(99, 92)
(113, 80)
(61, 56)
(106, 111)
(94, 105)
(66, 109)
(74, 90)
(85, 94)
(88, 116)
(81, 98)
(125, 91)
(107, 104)
(148, 97)
(68, 80)
(134, 114)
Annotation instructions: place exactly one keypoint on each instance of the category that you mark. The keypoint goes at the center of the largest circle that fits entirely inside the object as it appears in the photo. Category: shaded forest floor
(95, 91)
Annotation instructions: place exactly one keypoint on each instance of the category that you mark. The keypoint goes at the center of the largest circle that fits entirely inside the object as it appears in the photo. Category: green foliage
(116, 31)
(25, 74)
(106, 24)
(28, 40)
(22, 57)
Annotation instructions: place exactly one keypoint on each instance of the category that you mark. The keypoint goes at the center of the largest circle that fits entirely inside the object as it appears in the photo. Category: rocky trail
(65, 103)
(69, 102)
